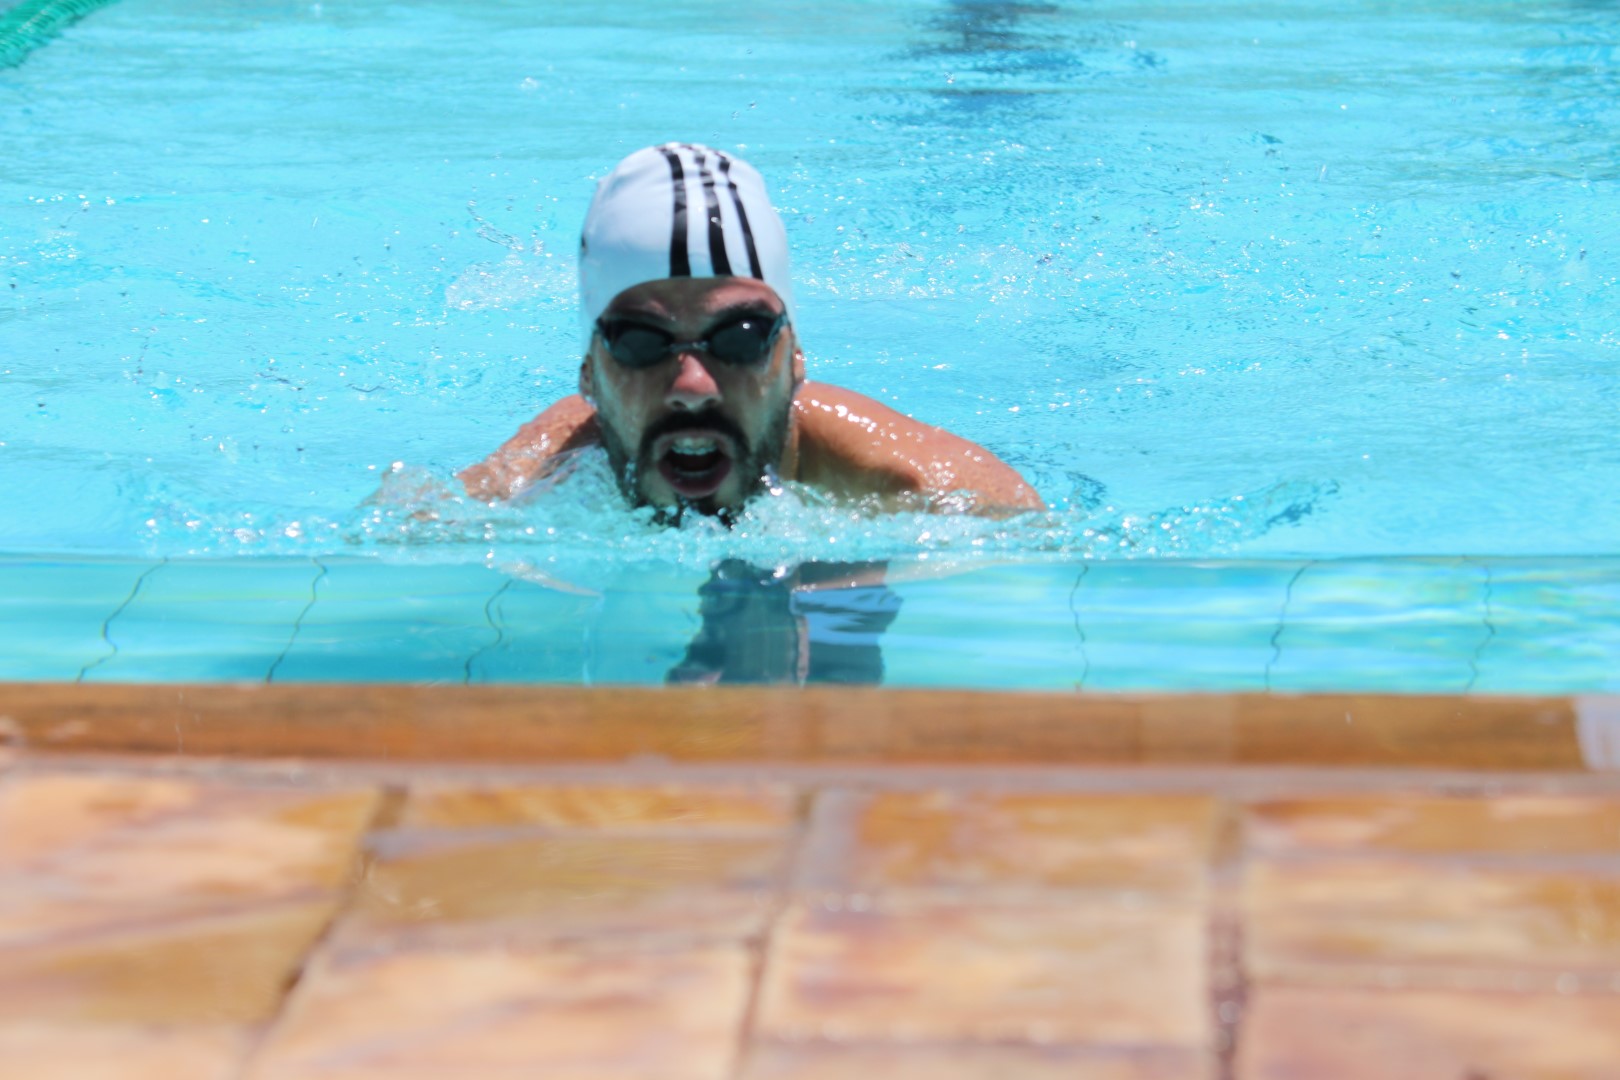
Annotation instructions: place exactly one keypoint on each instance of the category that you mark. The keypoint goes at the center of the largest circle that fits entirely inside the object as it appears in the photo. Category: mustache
(707, 420)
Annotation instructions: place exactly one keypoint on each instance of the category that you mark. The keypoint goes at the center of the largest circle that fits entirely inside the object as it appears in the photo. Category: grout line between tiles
(1604, 864)
(390, 802)
(1228, 978)
(1240, 781)
(761, 949)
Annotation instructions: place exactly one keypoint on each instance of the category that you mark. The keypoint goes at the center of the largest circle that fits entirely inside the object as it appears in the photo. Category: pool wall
(1411, 625)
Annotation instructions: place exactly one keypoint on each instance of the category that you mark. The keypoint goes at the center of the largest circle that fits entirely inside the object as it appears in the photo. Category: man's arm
(851, 445)
(533, 452)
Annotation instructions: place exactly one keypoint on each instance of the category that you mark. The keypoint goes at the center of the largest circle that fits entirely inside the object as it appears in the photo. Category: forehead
(685, 299)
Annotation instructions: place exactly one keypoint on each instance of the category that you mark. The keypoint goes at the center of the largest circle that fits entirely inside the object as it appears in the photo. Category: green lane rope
(32, 23)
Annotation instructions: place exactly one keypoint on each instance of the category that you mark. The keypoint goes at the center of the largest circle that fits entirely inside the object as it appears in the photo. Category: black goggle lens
(636, 346)
(743, 342)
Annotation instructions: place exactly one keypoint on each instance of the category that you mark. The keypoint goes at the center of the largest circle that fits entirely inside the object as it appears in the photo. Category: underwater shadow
(1012, 56)
(818, 622)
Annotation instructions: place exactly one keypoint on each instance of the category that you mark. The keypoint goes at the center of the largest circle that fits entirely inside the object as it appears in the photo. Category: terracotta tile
(820, 1060)
(230, 969)
(76, 1052)
(1533, 825)
(159, 919)
(500, 1013)
(663, 808)
(82, 851)
(1052, 974)
(43, 814)
(1010, 843)
(443, 886)
(1312, 1034)
(1324, 918)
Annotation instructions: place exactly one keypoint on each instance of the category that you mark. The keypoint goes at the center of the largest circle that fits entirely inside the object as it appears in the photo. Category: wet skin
(693, 431)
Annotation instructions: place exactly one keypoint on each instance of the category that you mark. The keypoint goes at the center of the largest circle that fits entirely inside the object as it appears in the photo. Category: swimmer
(693, 380)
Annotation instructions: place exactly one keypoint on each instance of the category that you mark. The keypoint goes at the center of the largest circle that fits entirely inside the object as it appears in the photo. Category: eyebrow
(743, 309)
(661, 320)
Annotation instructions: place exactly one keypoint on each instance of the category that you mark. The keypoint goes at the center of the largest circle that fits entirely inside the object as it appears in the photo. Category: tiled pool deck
(404, 881)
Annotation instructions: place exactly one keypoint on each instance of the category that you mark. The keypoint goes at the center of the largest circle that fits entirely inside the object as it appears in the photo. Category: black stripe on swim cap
(718, 259)
(680, 262)
(742, 218)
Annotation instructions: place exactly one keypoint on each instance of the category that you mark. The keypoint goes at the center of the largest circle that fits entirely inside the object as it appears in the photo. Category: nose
(693, 387)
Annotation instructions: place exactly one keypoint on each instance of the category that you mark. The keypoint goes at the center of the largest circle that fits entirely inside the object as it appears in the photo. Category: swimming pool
(1301, 317)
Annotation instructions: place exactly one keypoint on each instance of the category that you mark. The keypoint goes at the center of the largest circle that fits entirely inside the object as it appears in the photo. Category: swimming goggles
(741, 342)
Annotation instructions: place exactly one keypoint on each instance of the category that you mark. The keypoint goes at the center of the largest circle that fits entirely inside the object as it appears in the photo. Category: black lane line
(1282, 619)
(500, 632)
(298, 623)
(1085, 657)
(1490, 629)
(106, 624)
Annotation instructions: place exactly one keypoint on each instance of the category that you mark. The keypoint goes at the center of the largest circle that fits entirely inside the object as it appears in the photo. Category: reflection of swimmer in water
(818, 624)
(693, 379)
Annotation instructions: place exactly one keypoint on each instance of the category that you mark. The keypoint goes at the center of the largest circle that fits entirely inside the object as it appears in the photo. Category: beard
(754, 461)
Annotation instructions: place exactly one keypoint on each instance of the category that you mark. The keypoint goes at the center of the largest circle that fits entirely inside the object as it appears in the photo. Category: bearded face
(693, 382)
(698, 460)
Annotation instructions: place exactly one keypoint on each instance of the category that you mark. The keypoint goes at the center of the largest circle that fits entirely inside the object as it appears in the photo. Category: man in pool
(693, 378)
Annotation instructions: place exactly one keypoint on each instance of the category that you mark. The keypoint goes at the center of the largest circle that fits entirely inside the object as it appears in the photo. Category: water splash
(574, 530)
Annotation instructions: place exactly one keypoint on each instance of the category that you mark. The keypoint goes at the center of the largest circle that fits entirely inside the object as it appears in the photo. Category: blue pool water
(1302, 317)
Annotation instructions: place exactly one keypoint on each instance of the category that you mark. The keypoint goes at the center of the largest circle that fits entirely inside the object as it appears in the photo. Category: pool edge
(546, 725)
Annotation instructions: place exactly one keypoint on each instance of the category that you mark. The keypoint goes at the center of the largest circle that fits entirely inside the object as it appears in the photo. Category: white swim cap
(679, 210)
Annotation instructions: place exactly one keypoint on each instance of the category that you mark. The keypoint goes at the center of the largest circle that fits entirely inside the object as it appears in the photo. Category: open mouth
(695, 463)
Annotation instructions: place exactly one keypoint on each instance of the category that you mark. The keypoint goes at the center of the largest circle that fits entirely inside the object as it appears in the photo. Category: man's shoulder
(566, 426)
(832, 408)
(850, 442)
